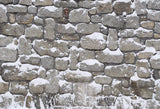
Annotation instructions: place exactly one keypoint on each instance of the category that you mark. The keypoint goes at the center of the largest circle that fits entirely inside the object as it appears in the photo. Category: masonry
(83, 54)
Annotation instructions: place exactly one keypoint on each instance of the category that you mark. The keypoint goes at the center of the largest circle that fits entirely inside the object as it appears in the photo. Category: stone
(92, 11)
(61, 63)
(87, 28)
(12, 18)
(70, 37)
(153, 15)
(126, 33)
(69, 4)
(125, 83)
(5, 1)
(7, 54)
(93, 89)
(144, 33)
(78, 76)
(4, 86)
(153, 4)
(108, 56)
(50, 11)
(25, 2)
(64, 99)
(156, 36)
(120, 71)
(147, 24)
(4, 41)
(32, 9)
(95, 18)
(153, 43)
(19, 88)
(38, 20)
(140, 7)
(73, 58)
(34, 31)
(24, 47)
(79, 15)
(12, 29)
(142, 83)
(112, 39)
(155, 61)
(113, 21)
(104, 7)
(43, 2)
(132, 22)
(30, 59)
(107, 90)
(143, 70)
(49, 29)
(47, 62)
(156, 74)
(100, 79)
(86, 54)
(121, 7)
(86, 4)
(91, 65)
(130, 58)
(24, 18)
(3, 15)
(65, 87)
(157, 27)
(94, 41)
(29, 101)
(16, 8)
(66, 28)
(130, 44)
(146, 93)
(157, 92)
(19, 100)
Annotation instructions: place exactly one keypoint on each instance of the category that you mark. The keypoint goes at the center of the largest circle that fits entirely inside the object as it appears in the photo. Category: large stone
(32, 9)
(31, 59)
(50, 11)
(143, 33)
(112, 39)
(61, 63)
(79, 15)
(147, 24)
(86, 4)
(66, 28)
(24, 18)
(140, 7)
(4, 86)
(154, 4)
(153, 15)
(155, 61)
(120, 70)
(157, 27)
(130, 44)
(65, 87)
(19, 88)
(73, 57)
(42, 2)
(6, 1)
(86, 54)
(34, 31)
(93, 41)
(153, 43)
(16, 8)
(100, 79)
(12, 29)
(142, 83)
(25, 2)
(3, 11)
(130, 58)
(146, 93)
(91, 65)
(7, 54)
(47, 62)
(126, 33)
(104, 7)
(132, 21)
(96, 18)
(93, 89)
(146, 53)
(108, 56)
(4, 41)
(69, 4)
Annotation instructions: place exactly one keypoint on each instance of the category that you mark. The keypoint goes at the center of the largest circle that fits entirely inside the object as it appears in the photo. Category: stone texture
(61, 63)
(3, 15)
(107, 90)
(156, 36)
(19, 88)
(146, 93)
(47, 62)
(103, 79)
(25, 2)
(120, 70)
(12, 18)
(32, 9)
(153, 43)
(95, 18)
(64, 99)
(24, 18)
(73, 58)
(69, 4)
(66, 28)
(4, 86)
(4, 41)
(104, 7)
(132, 21)
(86, 54)
(157, 27)
(65, 87)
(153, 15)
(33, 31)
(70, 37)
(16, 8)
(93, 89)
(140, 7)
(112, 39)
(86, 4)
(5, 1)
(130, 58)
(39, 21)
(145, 83)
(143, 33)
(157, 92)
(146, 53)
(30, 59)
(154, 4)
(147, 24)
(126, 33)
(43, 2)
(155, 61)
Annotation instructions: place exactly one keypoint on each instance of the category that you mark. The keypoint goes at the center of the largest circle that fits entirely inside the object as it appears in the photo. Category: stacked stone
(91, 54)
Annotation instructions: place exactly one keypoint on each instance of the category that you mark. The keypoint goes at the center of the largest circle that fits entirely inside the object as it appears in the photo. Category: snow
(28, 67)
(125, 1)
(73, 48)
(150, 50)
(79, 73)
(51, 8)
(142, 69)
(18, 86)
(103, 1)
(92, 62)
(3, 7)
(156, 57)
(53, 49)
(39, 81)
(69, 25)
(131, 40)
(2, 81)
(142, 29)
(115, 82)
(117, 52)
(34, 26)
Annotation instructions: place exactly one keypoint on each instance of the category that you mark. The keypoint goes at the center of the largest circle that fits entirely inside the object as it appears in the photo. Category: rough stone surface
(132, 22)
(39, 21)
(43, 2)
(24, 18)
(68, 28)
(65, 87)
(103, 79)
(155, 61)
(147, 24)
(4, 86)
(96, 18)
(104, 7)
(130, 58)
(73, 58)
(25, 2)
(5, 1)
(154, 4)
(33, 31)
(19, 87)
(86, 54)
(141, 7)
(126, 33)
(47, 62)
(64, 99)
(32, 9)
(142, 33)
(112, 39)
(16, 8)
(153, 43)
(3, 15)
(153, 15)
(61, 63)
(157, 27)
(4, 41)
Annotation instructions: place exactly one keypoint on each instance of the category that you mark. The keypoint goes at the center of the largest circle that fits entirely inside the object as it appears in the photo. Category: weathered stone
(65, 87)
(47, 62)
(157, 27)
(24, 18)
(108, 56)
(69, 4)
(104, 7)
(73, 44)
(7, 54)
(125, 83)
(5, 1)
(19, 88)
(154, 4)
(120, 70)
(78, 76)
(92, 11)
(116, 87)
(153, 43)
(130, 44)
(147, 24)
(16, 8)
(107, 90)
(113, 21)
(143, 70)
(95, 18)
(12, 29)
(87, 4)
(93, 41)
(12, 18)
(86, 54)
(42, 2)
(3, 15)
(34, 31)
(132, 21)
(70, 37)
(140, 7)
(120, 7)
(79, 15)
(49, 30)
(61, 63)
(130, 58)
(142, 83)
(4, 86)
(50, 11)
(155, 61)
(93, 89)
(32, 9)
(103, 79)
(66, 28)
(4, 41)
(157, 36)
(29, 101)
(157, 92)
(24, 47)
(15, 2)
(38, 20)
(25, 2)
(126, 33)
(73, 58)
(146, 93)
(19, 100)
(143, 33)
(112, 39)
(31, 59)
(153, 15)
(87, 28)
(91, 65)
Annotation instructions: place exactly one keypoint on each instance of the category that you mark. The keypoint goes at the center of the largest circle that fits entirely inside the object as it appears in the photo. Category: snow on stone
(108, 51)
(125, 1)
(12, 45)
(149, 49)
(96, 36)
(39, 81)
(142, 29)
(80, 73)
(1, 80)
(93, 89)
(142, 69)
(69, 25)
(3, 7)
(92, 62)
(18, 86)
(28, 67)
(53, 49)
(103, 1)
(131, 40)
(156, 57)
(51, 8)
(115, 82)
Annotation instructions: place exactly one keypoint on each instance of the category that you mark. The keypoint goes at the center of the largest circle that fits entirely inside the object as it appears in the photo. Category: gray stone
(12, 29)
(130, 44)
(120, 70)
(145, 83)
(19, 100)
(132, 22)
(113, 21)
(108, 56)
(93, 41)
(25, 2)
(140, 7)
(16, 8)
(79, 15)
(47, 62)
(92, 11)
(74, 37)
(130, 58)
(24, 18)
(154, 4)
(87, 4)
(86, 54)
(153, 43)
(19, 88)
(49, 29)
(125, 83)
(30, 59)
(61, 63)
(42, 2)
(157, 27)
(4, 86)
(12, 18)
(126, 33)
(146, 53)
(73, 58)
(91, 65)
(107, 90)
(65, 87)
(147, 24)
(146, 93)
(104, 7)
(103, 79)
(87, 28)
(3, 15)
(34, 31)
(69, 4)
(7, 54)
(143, 33)
(153, 15)
(157, 92)
(93, 89)
(155, 61)
(95, 18)
(50, 11)
(66, 28)
(38, 20)
(4, 41)
(32, 9)
(6, 1)
(112, 39)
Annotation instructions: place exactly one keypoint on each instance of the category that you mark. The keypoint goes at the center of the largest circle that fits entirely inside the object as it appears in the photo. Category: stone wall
(82, 54)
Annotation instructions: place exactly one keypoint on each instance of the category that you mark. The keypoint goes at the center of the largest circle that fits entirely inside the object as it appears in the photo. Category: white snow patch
(115, 82)
(39, 81)
(69, 25)
(103, 1)
(156, 57)
(149, 49)
(51, 8)
(53, 49)
(2, 81)
(3, 7)
(142, 69)
(18, 86)
(92, 62)
(108, 51)
(80, 73)
(27, 67)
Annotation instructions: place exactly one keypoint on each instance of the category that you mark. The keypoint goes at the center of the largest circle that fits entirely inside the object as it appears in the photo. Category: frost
(156, 57)
(51, 8)
(27, 67)
(92, 62)
(39, 81)
(3, 7)
(103, 1)
(69, 25)
(149, 49)
(117, 52)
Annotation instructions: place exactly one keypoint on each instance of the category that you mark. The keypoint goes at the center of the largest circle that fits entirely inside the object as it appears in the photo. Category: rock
(125, 83)
(12, 18)
(157, 27)
(120, 7)
(92, 11)
(153, 4)
(34, 31)
(113, 21)
(157, 91)
(126, 33)
(78, 76)
(79, 15)
(108, 56)
(155, 61)
(19, 100)
(86, 4)
(16, 8)
(19, 88)
(86, 54)
(104, 7)
(24, 18)
(25, 2)
(32, 9)
(156, 36)
(3, 11)
(50, 11)
(140, 7)
(142, 83)
(93, 89)
(120, 71)
(147, 24)
(69, 4)
(29, 101)
(31, 59)
(4, 41)
(73, 57)
(5, 1)
(103, 79)
(70, 37)
(153, 43)
(91, 65)
(47, 62)
(95, 18)
(132, 22)
(65, 87)
(42, 2)
(130, 58)
(39, 21)
(4, 86)
(12, 29)
(61, 63)
(143, 33)
(156, 74)
(112, 39)
(107, 90)
(93, 41)
(87, 28)
(130, 44)
(153, 15)
(7, 54)
(49, 29)
(146, 93)
(66, 28)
